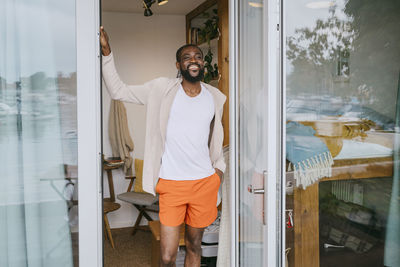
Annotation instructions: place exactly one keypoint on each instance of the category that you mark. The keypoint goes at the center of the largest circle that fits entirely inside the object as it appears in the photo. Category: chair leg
(105, 233)
(139, 218)
(107, 226)
(147, 216)
(144, 213)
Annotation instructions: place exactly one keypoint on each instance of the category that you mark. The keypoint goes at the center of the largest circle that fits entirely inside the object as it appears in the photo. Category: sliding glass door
(38, 134)
(327, 104)
(341, 81)
(256, 142)
(44, 155)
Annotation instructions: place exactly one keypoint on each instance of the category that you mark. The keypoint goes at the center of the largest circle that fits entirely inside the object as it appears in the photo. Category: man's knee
(193, 246)
(168, 258)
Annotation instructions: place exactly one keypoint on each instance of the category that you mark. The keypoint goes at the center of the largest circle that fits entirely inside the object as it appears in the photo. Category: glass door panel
(342, 87)
(252, 138)
(38, 134)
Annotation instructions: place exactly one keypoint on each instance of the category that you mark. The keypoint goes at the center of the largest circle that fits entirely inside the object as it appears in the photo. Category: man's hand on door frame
(104, 42)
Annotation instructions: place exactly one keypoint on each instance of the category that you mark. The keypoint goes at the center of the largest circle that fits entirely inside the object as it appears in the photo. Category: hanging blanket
(120, 139)
(309, 157)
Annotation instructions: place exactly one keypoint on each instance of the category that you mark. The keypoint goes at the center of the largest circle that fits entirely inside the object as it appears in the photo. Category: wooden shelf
(221, 53)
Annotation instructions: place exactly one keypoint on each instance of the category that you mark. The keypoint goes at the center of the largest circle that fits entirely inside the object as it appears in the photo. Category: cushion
(139, 176)
(142, 199)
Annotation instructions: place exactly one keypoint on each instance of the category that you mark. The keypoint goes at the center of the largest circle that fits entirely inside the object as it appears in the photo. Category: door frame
(274, 179)
(233, 130)
(89, 133)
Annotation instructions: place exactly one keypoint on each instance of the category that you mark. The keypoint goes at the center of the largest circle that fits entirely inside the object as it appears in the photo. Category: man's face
(191, 64)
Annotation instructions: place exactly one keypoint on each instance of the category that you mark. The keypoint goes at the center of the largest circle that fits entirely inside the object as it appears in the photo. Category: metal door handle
(255, 190)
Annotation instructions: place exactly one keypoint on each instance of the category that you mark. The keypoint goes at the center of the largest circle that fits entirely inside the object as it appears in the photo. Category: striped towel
(309, 157)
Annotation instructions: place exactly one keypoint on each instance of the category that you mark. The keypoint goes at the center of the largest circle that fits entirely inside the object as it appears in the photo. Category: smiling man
(183, 158)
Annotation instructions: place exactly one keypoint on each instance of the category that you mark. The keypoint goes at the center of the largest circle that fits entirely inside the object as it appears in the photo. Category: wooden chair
(143, 202)
(109, 207)
(109, 204)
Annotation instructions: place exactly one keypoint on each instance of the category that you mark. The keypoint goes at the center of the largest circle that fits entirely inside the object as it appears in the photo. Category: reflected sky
(39, 36)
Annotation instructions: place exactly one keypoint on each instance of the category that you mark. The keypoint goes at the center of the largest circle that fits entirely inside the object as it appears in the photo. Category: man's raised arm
(118, 90)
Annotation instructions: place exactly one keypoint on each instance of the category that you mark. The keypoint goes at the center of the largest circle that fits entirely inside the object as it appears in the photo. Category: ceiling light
(256, 4)
(320, 4)
(147, 4)
(162, 2)
(148, 12)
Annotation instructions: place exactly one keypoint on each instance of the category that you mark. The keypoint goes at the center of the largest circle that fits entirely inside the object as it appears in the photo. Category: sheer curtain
(35, 53)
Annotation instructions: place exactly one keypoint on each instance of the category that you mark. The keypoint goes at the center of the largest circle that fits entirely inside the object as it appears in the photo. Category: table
(155, 241)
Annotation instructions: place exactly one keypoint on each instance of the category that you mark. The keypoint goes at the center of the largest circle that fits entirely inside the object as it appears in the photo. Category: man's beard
(186, 75)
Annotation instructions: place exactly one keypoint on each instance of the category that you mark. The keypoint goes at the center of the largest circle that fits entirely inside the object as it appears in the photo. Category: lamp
(148, 12)
(162, 2)
(147, 4)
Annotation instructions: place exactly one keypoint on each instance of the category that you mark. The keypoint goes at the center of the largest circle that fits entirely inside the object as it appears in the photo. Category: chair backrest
(139, 176)
(137, 179)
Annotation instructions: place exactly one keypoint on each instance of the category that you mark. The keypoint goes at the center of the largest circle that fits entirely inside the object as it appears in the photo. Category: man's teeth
(193, 68)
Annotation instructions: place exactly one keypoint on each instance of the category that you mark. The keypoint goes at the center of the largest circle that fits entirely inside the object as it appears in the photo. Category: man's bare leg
(169, 242)
(193, 237)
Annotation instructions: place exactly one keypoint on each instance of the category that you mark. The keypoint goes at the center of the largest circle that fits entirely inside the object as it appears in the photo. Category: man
(183, 158)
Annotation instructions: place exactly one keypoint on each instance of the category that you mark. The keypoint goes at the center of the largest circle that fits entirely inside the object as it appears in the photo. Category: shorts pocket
(158, 186)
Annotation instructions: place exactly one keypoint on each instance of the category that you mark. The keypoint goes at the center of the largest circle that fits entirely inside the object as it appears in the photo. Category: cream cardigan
(158, 95)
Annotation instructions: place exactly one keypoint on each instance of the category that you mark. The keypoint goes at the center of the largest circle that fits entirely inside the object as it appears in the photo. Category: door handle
(256, 191)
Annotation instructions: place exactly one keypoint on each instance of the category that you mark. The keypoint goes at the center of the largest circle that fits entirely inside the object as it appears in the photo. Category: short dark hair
(179, 51)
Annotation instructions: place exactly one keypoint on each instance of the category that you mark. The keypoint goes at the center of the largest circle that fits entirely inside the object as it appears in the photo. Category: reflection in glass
(342, 82)
(38, 133)
(252, 123)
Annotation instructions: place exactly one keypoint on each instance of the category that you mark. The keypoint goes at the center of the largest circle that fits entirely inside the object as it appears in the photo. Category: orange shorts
(191, 201)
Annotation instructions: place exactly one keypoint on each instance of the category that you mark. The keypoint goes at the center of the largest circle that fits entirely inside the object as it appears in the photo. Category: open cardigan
(158, 95)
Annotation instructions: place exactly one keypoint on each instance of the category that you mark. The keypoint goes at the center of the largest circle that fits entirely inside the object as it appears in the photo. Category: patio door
(342, 86)
(89, 133)
(50, 134)
(256, 138)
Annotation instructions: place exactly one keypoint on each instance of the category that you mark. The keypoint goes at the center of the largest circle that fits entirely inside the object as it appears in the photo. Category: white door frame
(233, 130)
(274, 241)
(89, 134)
(272, 179)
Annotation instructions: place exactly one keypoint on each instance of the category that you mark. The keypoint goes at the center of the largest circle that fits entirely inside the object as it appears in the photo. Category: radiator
(348, 191)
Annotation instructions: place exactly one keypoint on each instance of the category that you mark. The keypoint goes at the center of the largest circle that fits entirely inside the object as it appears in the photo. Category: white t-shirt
(186, 155)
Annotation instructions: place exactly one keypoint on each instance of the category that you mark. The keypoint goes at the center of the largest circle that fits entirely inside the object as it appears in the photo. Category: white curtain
(34, 229)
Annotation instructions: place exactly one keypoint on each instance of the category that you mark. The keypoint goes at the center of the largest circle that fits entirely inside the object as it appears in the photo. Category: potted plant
(206, 34)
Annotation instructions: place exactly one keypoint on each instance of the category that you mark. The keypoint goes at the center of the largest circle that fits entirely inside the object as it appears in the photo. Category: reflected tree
(375, 61)
(356, 57)
(314, 54)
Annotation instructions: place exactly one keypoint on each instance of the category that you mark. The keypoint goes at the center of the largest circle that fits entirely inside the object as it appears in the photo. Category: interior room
(144, 37)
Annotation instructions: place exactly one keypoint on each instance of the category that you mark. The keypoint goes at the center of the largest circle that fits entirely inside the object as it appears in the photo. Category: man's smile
(194, 67)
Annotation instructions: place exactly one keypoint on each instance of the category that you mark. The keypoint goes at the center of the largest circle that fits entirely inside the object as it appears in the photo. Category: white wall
(144, 48)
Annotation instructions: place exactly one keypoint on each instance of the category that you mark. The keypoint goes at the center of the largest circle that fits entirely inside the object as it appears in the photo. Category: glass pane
(342, 84)
(252, 122)
(38, 133)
